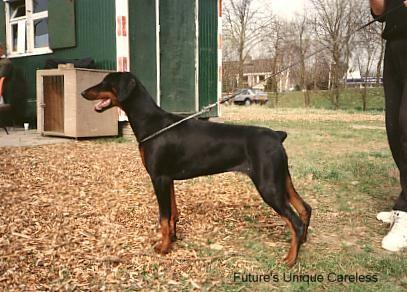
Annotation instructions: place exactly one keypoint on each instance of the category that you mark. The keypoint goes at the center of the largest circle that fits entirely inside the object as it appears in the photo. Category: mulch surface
(83, 216)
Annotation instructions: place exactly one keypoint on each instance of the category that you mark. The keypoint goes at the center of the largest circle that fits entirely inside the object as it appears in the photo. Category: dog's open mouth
(103, 105)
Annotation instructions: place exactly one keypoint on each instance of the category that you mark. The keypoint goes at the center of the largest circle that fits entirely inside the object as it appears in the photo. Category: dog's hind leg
(269, 179)
(303, 209)
(294, 223)
(162, 188)
(276, 197)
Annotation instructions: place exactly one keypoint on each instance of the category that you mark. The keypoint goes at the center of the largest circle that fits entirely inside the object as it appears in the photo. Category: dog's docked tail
(282, 135)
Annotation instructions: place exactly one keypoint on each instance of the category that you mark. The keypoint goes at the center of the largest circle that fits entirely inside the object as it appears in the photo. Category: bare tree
(379, 30)
(365, 57)
(369, 48)
(275, 40)
(229, 72)
(335, 25)
(320, 71)
(243, 27)
(301, 33)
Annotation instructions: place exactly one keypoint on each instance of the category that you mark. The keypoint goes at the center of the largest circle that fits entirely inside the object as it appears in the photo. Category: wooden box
(62, 111)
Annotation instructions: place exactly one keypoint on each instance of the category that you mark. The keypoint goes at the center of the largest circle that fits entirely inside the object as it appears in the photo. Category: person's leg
(401, 203)
(392, 91)
(396, 126)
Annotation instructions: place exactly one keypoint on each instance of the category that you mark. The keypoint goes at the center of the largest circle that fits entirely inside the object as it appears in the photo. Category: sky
(286, 8)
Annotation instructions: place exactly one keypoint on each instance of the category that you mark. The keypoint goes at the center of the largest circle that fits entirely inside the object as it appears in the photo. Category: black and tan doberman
(197, 148)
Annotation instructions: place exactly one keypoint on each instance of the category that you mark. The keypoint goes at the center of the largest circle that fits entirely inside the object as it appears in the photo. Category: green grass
(350, 99)
(347, 175)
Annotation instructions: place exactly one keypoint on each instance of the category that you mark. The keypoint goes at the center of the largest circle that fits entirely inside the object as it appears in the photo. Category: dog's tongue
(102, 104)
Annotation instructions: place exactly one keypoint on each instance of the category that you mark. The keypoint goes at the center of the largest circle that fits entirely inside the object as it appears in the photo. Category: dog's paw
(290, 261)
(162, 249)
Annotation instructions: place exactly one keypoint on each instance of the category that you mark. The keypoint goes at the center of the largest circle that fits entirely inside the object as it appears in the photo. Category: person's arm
(377, 6)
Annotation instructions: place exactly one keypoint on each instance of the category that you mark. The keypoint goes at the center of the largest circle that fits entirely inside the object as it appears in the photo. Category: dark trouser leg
(396, 112)
(401, 203)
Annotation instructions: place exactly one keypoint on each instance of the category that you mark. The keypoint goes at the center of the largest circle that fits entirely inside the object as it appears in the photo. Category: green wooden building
(172, 46)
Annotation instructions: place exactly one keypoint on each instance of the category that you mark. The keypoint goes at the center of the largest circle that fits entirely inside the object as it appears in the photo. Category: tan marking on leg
(297, 203)
(164, 246)
(141, 149)
(292, 254)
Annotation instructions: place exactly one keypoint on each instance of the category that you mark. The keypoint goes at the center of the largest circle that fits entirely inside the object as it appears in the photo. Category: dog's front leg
(162, 188)
(174, 214)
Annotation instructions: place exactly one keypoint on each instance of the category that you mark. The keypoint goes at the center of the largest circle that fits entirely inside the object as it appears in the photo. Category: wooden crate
(62, 111)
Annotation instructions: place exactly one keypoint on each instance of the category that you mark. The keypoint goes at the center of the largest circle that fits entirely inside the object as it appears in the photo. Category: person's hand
(405, 3)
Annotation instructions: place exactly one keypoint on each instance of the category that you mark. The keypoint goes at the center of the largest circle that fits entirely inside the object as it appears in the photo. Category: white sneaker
(396, 239)
(386, 217)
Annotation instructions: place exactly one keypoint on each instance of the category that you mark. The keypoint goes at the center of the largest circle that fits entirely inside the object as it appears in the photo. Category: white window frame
(26, 21)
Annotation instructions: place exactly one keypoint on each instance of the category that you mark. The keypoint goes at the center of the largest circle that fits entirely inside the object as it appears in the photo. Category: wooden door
(53, 104)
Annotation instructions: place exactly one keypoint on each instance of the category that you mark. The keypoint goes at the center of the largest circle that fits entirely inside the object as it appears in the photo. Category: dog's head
(114, 90)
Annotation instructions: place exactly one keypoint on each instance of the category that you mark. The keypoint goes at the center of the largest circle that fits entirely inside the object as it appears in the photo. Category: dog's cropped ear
(126, 86)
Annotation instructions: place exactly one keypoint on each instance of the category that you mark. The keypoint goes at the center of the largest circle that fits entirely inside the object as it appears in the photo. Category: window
(27, 27)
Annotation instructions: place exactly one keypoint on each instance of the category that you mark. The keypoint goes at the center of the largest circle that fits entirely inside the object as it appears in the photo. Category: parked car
(247, 96)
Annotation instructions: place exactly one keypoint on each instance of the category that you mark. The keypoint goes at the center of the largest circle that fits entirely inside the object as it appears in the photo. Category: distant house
(256, 72)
